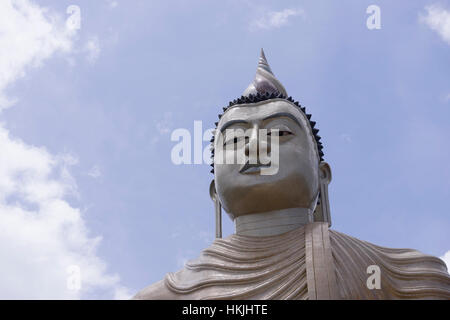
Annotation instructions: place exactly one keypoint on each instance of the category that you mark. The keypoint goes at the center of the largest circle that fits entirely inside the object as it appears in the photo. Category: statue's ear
(217, 208)
(325, 172)
(322, 212)
(212, 190)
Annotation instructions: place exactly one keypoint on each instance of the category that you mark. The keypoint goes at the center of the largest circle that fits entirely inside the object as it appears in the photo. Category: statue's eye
(235, 140)
(284, 133)
(281, 133)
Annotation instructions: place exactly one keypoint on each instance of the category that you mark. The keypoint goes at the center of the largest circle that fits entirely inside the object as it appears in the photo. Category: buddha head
(274, 124)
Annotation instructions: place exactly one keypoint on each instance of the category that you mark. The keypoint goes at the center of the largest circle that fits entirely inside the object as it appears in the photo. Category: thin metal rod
(218, 219)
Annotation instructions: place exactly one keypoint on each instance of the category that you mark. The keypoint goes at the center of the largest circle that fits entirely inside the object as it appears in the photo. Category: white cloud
(446, 259)
(346, 137)
(92, 49)
(95, 172)
(28, 36)
(122, 293)
(113, 4)
(163, 126)
(438, 19)
(41, 232)
(274, 19)
(447, 98)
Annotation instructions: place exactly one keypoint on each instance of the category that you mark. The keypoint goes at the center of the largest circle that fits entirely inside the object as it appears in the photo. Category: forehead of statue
(260, 111)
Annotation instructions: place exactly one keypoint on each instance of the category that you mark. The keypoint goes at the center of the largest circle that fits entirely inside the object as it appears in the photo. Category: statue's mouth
(249, 168)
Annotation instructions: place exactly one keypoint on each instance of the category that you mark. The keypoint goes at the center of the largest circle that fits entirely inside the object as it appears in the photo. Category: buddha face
(242, 188)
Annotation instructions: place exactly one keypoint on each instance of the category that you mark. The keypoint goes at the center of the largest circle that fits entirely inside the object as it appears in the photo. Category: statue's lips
(253, 167)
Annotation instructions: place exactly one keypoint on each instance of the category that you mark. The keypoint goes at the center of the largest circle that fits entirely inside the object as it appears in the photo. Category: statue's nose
(257, 144)
(263, 145)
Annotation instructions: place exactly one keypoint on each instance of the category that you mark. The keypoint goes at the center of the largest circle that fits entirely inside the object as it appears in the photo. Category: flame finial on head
(265, 81)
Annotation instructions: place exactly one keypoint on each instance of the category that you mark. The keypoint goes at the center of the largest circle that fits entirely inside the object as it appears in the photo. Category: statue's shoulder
(401, 256)
(179, 285)
(404, 273)
(156, 291)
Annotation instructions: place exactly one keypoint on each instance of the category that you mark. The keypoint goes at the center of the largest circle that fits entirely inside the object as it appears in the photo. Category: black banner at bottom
(193, 310)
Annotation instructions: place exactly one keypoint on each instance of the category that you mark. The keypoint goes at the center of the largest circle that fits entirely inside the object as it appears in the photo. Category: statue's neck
(272, 222)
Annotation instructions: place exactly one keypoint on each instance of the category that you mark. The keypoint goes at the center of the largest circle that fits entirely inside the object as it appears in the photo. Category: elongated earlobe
(322, 212)
(217, 208)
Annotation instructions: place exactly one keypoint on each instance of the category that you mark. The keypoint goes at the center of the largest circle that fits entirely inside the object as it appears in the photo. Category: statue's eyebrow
(230, 123)
(283, 114)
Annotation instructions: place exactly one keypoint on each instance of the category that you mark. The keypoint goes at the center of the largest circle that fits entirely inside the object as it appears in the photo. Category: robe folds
(310, 263)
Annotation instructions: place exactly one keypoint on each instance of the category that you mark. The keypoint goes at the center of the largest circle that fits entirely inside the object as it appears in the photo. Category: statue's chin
(265, 197)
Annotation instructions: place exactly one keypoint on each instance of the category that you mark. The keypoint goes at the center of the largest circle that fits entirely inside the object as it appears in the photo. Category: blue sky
(86, 117)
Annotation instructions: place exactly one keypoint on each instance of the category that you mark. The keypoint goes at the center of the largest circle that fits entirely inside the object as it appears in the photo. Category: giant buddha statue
(283, 247)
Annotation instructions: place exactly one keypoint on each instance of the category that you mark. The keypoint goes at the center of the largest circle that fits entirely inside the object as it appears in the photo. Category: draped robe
(311, 262)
